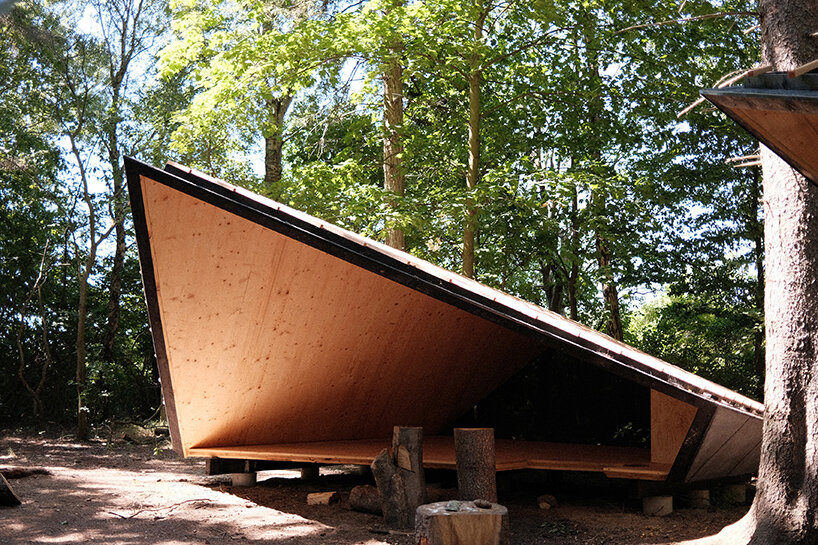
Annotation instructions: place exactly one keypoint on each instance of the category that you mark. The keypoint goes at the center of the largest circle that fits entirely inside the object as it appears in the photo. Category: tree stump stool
(476, 463)
(461, 523)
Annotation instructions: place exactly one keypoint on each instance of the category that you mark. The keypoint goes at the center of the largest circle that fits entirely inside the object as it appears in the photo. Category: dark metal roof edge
(761, 92)
(133, 170)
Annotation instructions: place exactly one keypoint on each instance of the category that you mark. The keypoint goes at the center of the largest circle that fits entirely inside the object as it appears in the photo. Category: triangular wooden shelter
(281, 337)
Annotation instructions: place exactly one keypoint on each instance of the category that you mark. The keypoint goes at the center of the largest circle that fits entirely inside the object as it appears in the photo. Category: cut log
(476, 465)
(7, 496)
(439, 524)
(547, 501)
(322, 498)
(400, 478)
(365, 498)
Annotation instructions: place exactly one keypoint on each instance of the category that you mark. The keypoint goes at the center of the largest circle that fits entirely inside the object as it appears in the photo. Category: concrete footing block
(657, 506)
(243, 479)
(734, 494)
(698, 499)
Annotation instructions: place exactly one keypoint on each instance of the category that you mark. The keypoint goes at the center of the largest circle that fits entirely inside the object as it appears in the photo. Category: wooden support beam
(758, 70)
(476, 463)
(803, 69)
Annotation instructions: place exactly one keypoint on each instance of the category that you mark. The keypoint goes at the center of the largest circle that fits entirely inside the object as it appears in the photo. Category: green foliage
(712, 337)
(579, 140)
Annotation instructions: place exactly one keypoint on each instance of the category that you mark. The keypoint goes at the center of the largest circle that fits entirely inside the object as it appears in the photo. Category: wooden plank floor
(438, 452)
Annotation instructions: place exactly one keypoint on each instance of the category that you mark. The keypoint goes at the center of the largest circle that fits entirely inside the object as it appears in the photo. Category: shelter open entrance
(282, 337)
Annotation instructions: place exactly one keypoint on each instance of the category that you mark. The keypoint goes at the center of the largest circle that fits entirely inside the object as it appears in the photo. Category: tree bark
(755, 226)
(475, 78)
(400, 477)
(610, 294)
(274, 144)
(573, 277)
(393, 170)
(786, 502)
(476, 463)
(118, 197)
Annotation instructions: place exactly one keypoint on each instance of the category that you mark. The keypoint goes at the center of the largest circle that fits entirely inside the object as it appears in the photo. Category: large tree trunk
(599, 198)
(786, 503)
(756, 229)
(393, 173)
(787, 500)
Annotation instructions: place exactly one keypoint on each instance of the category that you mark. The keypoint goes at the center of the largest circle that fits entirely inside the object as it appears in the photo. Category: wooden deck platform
(438, 452)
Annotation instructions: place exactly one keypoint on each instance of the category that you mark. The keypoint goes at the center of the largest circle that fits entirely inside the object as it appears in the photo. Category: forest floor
(135, 491)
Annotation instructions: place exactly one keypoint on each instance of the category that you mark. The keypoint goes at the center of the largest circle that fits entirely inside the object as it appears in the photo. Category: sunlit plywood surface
(269, 340)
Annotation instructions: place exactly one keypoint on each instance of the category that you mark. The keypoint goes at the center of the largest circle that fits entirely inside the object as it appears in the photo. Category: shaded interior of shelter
(561, 399)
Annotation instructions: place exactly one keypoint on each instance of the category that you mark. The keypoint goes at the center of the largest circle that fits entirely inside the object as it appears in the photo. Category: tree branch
(691, 19)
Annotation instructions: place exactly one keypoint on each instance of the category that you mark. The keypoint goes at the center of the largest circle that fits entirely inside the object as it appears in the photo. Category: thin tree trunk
(573, 276)
(473, 172)
(83, 274)
(610, 293)
(38, 288)
(115, 285)
(393, 172)
(274, 143)
(81, 377)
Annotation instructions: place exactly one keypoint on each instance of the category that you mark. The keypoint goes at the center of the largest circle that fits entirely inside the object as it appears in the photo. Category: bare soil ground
(119, 492)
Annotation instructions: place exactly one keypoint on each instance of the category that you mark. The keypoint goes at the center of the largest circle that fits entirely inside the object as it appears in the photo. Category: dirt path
(127, 494)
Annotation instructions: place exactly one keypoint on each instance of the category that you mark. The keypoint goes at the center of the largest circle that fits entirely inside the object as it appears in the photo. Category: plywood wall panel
(272, 341)
(670, 420)
(730, 447)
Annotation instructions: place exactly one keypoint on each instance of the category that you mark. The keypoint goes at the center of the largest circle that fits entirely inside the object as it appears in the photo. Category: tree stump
(400, 478)
(461, 523)
(476, 463)
(7, 496)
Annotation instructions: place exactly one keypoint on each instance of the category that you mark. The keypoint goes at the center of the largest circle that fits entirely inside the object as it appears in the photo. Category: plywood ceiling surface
(570, 331)
(270, 340)
(784, 120)
(793, 134)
